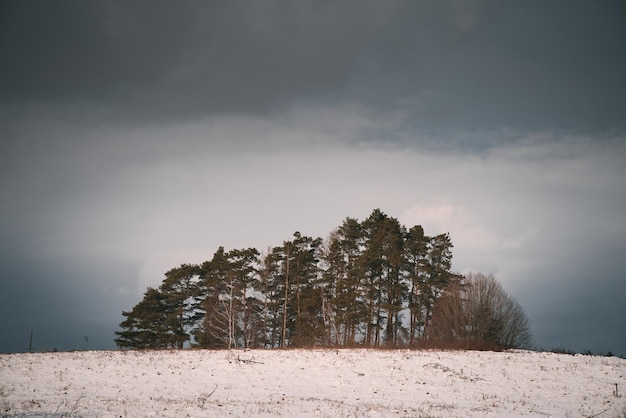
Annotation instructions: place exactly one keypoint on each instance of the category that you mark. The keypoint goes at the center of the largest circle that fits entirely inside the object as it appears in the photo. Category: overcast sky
(137, 136)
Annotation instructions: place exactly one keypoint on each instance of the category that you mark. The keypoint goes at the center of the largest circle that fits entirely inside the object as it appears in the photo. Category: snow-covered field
(311, 383)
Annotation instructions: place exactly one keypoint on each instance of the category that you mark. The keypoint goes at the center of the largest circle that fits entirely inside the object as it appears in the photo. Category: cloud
(450, 64)
(146, 137)
(172, 62)
(128, 192)
(447, 217)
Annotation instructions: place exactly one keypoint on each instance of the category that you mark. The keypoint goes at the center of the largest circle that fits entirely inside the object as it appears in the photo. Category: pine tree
(351, 290)
(438, 274)
(244, 285)
(215, 330)
(305, 290)
(182, 299)
(333, 268)
(232, 300)
(416, 248)
(165, 315)
(272, 296)
(342, 282)
(373, 261)
(291, 271)
(386, 265)
(145, 325)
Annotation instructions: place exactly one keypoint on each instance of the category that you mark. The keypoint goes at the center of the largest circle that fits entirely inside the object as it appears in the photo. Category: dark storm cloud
(448, 64)
(182, 58)
(88, 51)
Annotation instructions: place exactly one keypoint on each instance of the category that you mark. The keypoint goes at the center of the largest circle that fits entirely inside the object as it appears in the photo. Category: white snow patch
(311, 383)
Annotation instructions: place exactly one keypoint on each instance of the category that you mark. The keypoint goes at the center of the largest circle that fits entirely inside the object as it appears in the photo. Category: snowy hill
(311, 383)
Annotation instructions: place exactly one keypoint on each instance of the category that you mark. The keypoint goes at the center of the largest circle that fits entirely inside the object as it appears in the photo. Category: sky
(138, 136)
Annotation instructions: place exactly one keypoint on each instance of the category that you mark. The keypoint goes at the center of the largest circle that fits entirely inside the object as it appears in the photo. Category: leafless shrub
(477, 313)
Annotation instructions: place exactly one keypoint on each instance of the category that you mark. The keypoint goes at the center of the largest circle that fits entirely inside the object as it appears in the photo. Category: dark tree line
(373, 283)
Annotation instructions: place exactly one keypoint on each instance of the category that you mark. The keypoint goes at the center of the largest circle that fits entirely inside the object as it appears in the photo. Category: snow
(311, 383)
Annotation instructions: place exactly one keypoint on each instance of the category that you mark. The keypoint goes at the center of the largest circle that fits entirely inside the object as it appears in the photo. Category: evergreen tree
(272, 296)
(374, 268)
(342, 283)
(438, 274)
(387, 289)
(396, 293)
(351, 290)
(416, 248)
(216, 328)
(232, 303)
(182, 299)
(295, 291)
(146, 325)
(333, 269)
(245, 288)
(305, 290)
(164, 316)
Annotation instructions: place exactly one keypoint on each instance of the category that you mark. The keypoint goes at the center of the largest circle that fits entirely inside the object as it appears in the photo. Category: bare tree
(477, 313)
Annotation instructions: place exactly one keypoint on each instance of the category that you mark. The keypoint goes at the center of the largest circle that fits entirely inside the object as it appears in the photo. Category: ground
(311, 383)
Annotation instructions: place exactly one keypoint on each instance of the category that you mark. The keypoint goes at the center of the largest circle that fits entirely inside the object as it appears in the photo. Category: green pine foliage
(147, 325)
(371, 283)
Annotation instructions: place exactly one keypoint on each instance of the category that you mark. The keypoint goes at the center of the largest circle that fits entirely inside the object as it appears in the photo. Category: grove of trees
(371, 283)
